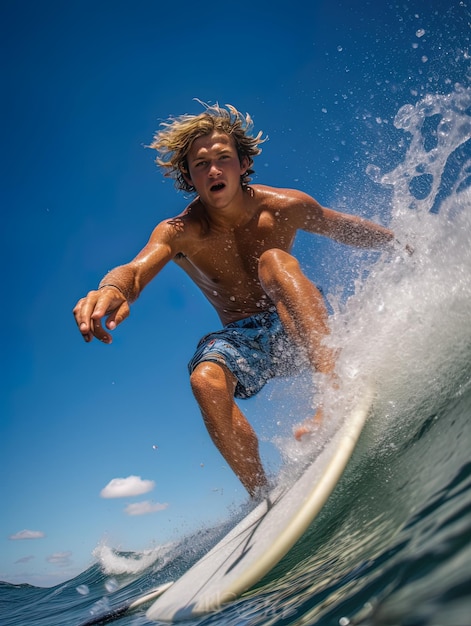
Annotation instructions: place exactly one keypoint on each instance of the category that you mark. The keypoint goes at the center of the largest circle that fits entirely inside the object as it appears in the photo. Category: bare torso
(223, 262)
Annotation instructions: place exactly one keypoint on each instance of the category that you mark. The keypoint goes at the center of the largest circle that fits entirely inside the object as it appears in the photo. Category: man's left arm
(342, 227)
(353, 230)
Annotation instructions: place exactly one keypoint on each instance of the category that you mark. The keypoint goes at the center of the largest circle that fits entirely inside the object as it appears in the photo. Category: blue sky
(86, 84)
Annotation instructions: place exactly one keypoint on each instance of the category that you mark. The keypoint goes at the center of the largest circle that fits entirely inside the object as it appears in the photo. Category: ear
(187, 178)
(186, 175)
(244, 165)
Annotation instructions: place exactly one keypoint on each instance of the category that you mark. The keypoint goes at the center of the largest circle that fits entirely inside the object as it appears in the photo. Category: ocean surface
(393, 544)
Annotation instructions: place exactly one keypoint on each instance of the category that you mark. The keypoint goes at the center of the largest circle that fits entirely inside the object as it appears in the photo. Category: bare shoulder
(299, 208)
(177, 225)
(284, 197)
(180, 231)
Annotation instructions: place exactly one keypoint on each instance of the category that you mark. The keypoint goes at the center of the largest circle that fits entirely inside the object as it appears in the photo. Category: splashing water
(408, 326)
(439, 125)
(113, 562)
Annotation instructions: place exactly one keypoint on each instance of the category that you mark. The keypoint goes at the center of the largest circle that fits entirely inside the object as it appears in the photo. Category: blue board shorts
(254, 349)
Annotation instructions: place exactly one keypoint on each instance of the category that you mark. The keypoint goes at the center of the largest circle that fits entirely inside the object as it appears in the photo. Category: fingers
(82, 320)
(99, 331)
(90, 311)
(117, 315)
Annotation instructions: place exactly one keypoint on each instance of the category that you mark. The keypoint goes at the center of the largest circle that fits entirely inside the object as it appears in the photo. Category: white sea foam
(408, 326)
(114, 562)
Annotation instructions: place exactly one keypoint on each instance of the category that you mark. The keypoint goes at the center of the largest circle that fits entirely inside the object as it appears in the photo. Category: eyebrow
(222, 151)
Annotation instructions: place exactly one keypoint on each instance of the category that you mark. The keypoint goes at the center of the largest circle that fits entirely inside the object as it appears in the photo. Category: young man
(234, 241)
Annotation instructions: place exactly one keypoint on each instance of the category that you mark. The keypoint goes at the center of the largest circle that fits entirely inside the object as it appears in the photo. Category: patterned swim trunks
(254, 349)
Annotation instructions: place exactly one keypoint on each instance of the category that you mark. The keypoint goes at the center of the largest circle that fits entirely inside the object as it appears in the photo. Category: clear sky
(85, 86)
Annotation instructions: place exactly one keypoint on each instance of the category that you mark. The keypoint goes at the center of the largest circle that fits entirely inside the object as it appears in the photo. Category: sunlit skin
(235, 243)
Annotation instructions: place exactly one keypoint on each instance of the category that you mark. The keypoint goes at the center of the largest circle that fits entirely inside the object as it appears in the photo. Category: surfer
(234, 241)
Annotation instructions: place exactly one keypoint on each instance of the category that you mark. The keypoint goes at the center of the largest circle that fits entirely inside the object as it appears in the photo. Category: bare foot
(308, 426)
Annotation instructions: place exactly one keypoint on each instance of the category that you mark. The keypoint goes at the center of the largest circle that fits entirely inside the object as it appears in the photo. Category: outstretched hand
(90, 311)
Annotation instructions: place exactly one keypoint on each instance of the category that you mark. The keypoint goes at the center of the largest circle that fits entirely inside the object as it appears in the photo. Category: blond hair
(174, 141)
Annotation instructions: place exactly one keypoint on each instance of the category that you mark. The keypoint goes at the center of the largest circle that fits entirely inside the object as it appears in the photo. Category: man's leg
(300, 306)
(213, 387)
(302, 312)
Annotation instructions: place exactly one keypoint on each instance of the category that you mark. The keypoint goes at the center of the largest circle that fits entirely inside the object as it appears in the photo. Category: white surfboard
(127, 607)
(260, 540)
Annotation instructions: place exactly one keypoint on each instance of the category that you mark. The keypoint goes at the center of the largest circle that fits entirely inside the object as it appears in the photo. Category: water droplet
(374, 173)
(111, 585)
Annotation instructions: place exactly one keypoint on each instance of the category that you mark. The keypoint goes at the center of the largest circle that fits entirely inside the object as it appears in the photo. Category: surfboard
(127, 607)
(255, 545)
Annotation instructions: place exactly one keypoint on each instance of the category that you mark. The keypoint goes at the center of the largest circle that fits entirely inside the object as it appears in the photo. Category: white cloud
(27, 534)
(142, 508)
(125, 487)
(60, 558)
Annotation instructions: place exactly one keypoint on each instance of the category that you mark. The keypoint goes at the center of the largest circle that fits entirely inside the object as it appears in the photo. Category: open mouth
(217, 187)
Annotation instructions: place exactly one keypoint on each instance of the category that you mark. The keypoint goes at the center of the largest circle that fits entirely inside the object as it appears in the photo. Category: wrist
(102, 286)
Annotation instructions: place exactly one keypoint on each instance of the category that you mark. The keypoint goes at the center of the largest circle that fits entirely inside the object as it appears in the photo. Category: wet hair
(174, 141)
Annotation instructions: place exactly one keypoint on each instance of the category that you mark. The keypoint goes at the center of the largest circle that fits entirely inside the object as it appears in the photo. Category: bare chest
(224, 264)
(221, 256)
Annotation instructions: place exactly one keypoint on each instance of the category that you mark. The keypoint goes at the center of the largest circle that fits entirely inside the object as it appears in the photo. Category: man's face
(214, 168)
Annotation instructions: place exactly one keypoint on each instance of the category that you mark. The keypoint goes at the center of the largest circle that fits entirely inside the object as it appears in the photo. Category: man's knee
(275, 266)
(208, 378)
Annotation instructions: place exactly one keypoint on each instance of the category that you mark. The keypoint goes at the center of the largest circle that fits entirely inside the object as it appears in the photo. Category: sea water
(393, 544)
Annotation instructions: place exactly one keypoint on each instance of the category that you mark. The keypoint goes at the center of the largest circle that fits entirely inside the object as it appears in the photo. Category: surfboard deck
(255, 545)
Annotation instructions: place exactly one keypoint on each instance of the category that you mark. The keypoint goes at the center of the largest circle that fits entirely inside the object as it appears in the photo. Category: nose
(214, 170)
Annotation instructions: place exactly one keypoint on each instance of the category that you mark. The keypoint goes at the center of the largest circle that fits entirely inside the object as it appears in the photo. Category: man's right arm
(122, 286)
